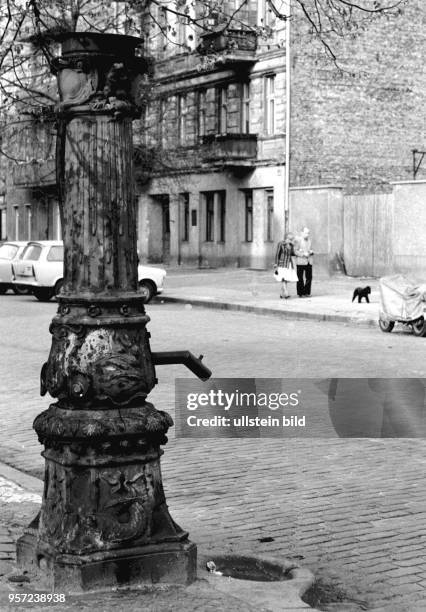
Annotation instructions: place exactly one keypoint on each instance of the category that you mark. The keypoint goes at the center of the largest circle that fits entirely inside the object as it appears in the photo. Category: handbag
(287, 274)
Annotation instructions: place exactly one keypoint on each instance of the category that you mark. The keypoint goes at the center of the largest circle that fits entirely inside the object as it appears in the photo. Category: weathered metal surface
(103, 498)
(100, 353)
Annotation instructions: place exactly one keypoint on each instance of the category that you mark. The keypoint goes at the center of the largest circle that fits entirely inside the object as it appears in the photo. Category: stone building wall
(358, 127)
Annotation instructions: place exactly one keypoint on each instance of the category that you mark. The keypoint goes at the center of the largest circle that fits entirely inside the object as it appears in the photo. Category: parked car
(41, 269)
(150, 281)
(8, 252)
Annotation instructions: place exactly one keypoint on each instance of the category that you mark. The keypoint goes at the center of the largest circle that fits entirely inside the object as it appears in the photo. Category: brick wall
(358, 127)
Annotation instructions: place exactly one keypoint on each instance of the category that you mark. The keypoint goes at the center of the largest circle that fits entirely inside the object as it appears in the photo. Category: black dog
(362, 292)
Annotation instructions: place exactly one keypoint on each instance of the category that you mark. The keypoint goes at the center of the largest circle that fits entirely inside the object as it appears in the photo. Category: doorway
(159, 229)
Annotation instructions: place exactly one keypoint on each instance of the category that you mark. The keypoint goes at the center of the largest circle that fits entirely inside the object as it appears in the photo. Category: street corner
(13, 493)
(18, 506)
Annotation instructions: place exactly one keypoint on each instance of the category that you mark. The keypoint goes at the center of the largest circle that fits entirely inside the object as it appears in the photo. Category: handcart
(402, 301)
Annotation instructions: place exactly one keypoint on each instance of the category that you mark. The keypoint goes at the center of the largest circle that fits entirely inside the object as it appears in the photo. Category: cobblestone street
(349, 509)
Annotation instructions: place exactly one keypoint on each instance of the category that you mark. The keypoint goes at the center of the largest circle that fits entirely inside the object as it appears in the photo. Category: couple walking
(291, 249)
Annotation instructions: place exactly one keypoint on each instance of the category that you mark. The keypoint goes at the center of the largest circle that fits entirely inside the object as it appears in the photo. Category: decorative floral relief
(93, 365)
(95, 509)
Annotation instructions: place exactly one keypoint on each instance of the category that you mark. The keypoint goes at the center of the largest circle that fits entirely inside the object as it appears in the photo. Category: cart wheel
(419, 327)
(386, 326)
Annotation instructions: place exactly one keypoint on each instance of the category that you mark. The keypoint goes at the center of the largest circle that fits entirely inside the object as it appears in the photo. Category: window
(270, 104)
(215, 207)
(57, 222)
(3, 228)
(182, 31)
(16, 221)
(8, 251)
(245, 108)
(181, 118)
(185, 216)
(248, 216)
(201, 113)
(209, 196)
(32, 252)
(222, 110)
(162, 128)
(221, 215)
(28, 216)
(56, 253)
(159, 25)
(267, 16)
(54, 230)
(269, 215)
(213, 19)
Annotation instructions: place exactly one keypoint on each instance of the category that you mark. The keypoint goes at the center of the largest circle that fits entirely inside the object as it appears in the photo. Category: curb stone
(264, 310)
(32, 484)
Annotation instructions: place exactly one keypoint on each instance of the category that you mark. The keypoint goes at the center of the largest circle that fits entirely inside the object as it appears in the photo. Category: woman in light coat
(285, 271)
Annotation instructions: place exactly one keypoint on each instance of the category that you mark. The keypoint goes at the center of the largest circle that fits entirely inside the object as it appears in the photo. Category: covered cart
(402, 301)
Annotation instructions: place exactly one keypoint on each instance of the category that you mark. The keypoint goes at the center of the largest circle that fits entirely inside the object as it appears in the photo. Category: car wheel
(44, 294)
(58, 287)
(147, 290)
(419, 327)
(20, 290)
(3, 289)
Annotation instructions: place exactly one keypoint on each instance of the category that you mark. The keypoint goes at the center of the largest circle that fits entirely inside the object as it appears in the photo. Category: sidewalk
(257, 291)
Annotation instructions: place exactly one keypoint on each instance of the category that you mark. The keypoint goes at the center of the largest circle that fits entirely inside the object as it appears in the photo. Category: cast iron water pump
(104, 519)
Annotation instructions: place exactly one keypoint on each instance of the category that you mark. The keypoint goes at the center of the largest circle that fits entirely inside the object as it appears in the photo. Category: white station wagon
(8, 252)
(41, 269)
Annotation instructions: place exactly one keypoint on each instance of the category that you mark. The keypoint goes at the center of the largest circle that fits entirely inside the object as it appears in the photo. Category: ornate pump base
(104, 521)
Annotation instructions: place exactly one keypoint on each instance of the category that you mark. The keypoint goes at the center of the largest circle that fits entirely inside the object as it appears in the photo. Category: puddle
(250, 568)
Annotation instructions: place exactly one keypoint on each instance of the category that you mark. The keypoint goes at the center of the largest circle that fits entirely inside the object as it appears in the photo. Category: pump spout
(186, 358)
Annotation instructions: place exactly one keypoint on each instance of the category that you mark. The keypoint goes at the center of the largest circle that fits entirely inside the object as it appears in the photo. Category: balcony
(233, 46)
(230, 150)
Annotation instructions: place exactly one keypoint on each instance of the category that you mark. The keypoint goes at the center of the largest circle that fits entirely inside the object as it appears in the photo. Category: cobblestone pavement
(17, 505)
(351, 510)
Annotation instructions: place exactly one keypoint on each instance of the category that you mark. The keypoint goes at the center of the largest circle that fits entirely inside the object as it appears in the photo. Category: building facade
(357, 126)
(210, 159)
(30, 208)
(215, 132)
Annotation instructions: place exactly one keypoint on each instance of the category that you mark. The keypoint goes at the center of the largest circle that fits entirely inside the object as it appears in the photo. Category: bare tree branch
(21, 86)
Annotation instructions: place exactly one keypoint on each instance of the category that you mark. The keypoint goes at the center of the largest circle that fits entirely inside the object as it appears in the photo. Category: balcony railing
(234, 45)
(236, 150)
